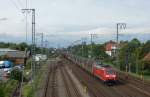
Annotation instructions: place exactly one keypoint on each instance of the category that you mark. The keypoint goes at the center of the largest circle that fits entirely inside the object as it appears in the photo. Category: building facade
(110, 48)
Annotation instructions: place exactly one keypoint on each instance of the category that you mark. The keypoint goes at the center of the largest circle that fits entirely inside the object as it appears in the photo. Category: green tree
(145, 49)
(2, 94)
(129, 53)
(99, 51)
(22, 46)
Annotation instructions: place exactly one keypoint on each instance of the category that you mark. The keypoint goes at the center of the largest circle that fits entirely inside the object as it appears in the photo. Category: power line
(26, 23)
(20, 3)
(15, 5)
(119, 26)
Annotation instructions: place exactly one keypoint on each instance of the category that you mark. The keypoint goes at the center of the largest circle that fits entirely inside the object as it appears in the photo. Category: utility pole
(26, 23)
(82, 49)
(46, 44)
(83, 45)
(33, 44)
(91, 45)
(42, 37)
(91, 52)
(42, 41)
(119, 26)
(36, 41)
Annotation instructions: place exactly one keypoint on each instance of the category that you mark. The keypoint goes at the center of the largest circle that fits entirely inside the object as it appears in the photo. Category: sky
(65, 21)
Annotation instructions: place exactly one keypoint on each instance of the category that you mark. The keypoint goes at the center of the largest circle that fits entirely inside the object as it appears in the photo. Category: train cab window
(98, 63)
(109, 71)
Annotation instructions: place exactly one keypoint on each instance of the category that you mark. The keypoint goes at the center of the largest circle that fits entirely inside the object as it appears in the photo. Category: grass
(40, 78)
(27, 90)
(146, 77)
(37, 84)
(27, 73)
(8, 87)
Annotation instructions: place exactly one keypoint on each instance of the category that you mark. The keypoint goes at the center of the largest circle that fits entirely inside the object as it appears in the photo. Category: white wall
(109, 53)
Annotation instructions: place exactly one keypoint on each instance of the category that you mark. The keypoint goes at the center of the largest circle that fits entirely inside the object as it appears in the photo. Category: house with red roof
(146, 60)
(110, 48)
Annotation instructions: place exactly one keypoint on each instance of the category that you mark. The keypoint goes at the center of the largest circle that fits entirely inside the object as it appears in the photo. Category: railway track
(93, 87)
(16, 92)
(135, 83)
(70, 86)
(51, 85)
(98, 89)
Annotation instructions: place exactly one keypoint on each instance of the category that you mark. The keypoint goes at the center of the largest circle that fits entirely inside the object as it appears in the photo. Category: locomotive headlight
(107, 76)
(113, 75)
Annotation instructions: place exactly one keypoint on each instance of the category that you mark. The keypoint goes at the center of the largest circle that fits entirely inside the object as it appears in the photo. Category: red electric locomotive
(104, 72)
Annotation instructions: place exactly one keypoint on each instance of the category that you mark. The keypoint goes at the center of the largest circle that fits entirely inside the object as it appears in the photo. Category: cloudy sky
(64, 21)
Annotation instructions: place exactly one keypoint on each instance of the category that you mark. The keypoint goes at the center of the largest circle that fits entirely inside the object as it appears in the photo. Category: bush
(28, 64)
(2, 90)
(147, 72)
(16, 75)
(6, 88)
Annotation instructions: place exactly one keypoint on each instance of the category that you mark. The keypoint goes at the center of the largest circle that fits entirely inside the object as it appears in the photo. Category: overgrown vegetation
(22, 47)
(38, 83)
(132, 55)
(15, 46)
(16, 74)
(6, 88)
(97, 51)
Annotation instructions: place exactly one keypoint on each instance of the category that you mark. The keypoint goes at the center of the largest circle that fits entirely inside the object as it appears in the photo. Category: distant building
(147, 57)
(3, 51)
(17, 57)
(146, 60)
(110, 48)
(40, 57)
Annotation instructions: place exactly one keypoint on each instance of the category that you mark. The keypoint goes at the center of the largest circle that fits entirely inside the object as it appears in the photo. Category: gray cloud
(3, 19)
(76, 16)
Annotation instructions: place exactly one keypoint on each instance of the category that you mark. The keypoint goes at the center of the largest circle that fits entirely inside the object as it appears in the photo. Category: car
(7, 70)
(19, 67)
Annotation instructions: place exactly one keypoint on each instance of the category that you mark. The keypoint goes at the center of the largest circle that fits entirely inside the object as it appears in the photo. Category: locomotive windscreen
(109, 71)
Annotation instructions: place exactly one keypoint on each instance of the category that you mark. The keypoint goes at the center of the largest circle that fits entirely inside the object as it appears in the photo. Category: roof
(3, 51)
(147, 57)
(16, 54)
(6, 50)
(111, 42)
(110, 45)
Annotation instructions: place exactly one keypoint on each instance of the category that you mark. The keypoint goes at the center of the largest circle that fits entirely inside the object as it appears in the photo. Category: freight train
(104, 72)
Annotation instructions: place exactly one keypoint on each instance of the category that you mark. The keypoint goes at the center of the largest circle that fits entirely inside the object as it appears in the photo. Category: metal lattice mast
(33, 43)
(119, 26)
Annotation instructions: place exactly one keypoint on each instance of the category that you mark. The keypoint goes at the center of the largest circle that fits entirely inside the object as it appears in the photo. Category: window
(109, 71)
